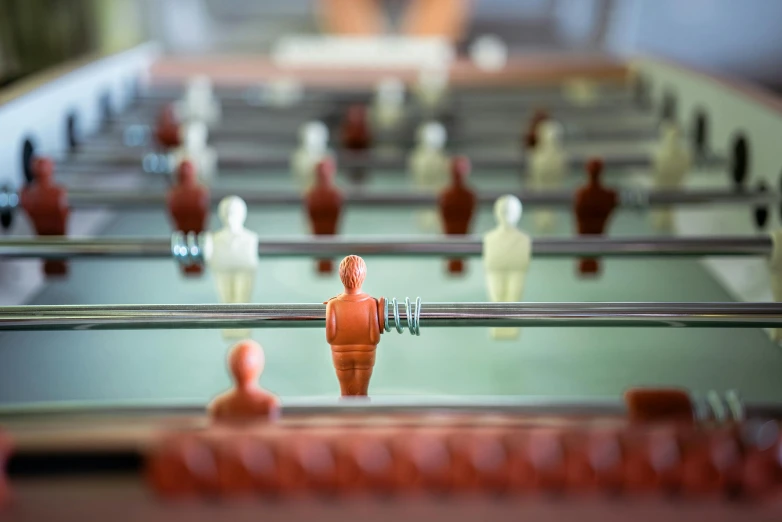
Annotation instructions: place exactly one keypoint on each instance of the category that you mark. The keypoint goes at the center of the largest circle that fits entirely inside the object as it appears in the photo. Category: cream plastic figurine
(388, 106)
(431, 90)
(199, 103)
(548, 165)
(195, 149)
(231, 254)
(671, 162)
(506, 257)
(429, 166)
(313, 148)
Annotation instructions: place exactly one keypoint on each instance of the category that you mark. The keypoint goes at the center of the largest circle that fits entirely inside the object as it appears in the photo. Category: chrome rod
(522, 405)
(467, 246)
(629, 198)
(206, 316)
(155, 163)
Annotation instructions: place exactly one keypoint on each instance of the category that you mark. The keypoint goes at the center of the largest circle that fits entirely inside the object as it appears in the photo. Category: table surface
(172, 366)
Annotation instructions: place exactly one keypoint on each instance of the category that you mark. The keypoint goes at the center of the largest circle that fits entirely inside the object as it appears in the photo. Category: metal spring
(136, 135)
(9, 199)
(413, 316)
(721, 408)
(187, 249)
(156, 163)
(637, 199)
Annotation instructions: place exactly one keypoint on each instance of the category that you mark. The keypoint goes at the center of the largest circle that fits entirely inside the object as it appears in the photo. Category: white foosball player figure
(199, 103)
(548, 165)
(231, 254)
(506, 258)
(670, 163)
(581, 92)
(313, 148)
(775, 276)
(431, 89)
(429, 166)
(388, 105)
(489, 53)
(195, 149)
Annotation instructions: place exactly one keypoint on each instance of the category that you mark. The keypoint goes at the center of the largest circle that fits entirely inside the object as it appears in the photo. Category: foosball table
(547, 290)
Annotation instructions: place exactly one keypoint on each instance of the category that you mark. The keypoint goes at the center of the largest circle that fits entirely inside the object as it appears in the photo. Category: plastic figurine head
(507, 210)
(391, 91)
(167, 115)
(314, 135)
(460, 169)
(232, 211)
(186, 173)
(432, 135)
(539, 116)
(352, 272)
(550, 132)
(43, 169)
(594, 169)
(324, 171)
(195, 135)
(433, 77)
(669, 132)
(357, 113)
(199, 88)
(246, 362)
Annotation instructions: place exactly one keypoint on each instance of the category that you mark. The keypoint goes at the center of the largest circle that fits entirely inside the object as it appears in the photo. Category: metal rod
(630, 198)
(206, 316)
(466, 246)
(520, 405)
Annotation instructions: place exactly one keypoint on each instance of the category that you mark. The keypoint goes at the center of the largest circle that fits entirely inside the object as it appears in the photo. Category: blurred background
(739, 38)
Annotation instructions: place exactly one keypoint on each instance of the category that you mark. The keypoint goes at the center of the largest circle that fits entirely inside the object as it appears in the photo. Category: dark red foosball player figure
(531, 135)
(46, 205)
(354, 321)
(457, 206)
(593, 205)
(188, 206)
(247, 401)
(356, 137)
(167, 129)
(324, 206)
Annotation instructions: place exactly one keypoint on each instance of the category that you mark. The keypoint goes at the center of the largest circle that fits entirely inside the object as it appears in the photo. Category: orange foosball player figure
(46, 204)
(354, 321)
(247, 401)
(593, 204)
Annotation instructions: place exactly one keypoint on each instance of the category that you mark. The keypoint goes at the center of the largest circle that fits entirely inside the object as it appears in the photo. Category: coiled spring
(187, 249)
(156, 163)
(634, 198)
(719, 407)
(413, 314)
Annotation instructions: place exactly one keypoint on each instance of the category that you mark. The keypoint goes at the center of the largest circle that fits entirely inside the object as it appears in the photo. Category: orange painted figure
(324, 206)
(188, 205)
(593, 205)
(531, 136)
(167, 129)
(354, 321)
(46, 205)
(247, 401)
(457, 206)
(356, 136)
